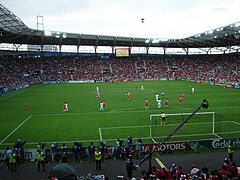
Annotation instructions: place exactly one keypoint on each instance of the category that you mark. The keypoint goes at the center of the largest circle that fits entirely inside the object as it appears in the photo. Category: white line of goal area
(218, 134)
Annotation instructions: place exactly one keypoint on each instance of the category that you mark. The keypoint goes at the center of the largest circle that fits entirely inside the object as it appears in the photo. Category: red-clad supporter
(227, 163)
(165, 173)
(223, 173)
(157, 172)
(179, 172)
(233, 170)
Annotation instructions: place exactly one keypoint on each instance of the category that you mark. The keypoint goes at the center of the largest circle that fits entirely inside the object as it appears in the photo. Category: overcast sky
(162, 18)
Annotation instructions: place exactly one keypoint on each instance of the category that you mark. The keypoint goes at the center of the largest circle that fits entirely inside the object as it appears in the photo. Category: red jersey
(180, 100)
(183, 95)
(158, 174)
(128, 96)
(146, 102)
(25, 105)
(104, 104)
(166, 102)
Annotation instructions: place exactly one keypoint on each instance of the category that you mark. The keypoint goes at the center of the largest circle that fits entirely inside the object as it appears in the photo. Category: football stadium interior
(113, 91)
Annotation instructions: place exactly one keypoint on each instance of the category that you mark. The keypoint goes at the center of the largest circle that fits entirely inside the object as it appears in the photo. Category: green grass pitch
(45, 121)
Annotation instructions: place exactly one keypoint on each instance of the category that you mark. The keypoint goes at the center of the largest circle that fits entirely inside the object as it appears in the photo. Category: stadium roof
(14, 31)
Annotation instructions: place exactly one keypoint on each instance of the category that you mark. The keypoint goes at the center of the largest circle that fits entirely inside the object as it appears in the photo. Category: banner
(145, 148)
(28, 154)
(213, 144)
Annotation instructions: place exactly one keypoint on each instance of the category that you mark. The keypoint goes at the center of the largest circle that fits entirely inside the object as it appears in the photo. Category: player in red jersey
(166, 102)
(183, 95)
(146, 104)
(104, 105)
(65, 107)
(25, 105)
(128, 96)
(180, 100)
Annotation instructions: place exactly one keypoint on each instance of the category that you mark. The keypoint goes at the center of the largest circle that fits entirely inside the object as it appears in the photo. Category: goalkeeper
(163, 118)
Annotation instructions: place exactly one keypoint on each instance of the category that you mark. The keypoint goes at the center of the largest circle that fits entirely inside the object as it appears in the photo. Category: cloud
(163, 18)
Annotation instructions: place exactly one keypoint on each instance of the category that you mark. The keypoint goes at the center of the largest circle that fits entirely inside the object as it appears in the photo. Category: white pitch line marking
(100, 133)
(16, 129)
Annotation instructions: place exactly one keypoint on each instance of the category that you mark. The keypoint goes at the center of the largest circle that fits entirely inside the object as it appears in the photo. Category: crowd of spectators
(77, 153)
(215, 68)
(228, 170)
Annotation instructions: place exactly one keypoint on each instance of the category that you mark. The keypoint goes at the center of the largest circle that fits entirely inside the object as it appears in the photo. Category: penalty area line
(16, 129)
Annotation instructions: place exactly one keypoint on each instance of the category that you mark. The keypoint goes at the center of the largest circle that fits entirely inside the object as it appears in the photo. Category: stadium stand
(18, 73)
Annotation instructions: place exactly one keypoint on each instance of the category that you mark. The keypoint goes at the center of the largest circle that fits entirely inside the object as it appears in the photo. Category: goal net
(200, 126)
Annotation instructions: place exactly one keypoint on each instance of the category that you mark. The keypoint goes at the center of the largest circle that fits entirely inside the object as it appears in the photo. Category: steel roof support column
(79, 42)
(113, 49)
(95, 49)
(96, 46)
(164, 50)
(186, 50)
(60, 51)
(114, 44)
(42, 45)
(147, 50)
(41, 52)
(130, 48)
(209, 50)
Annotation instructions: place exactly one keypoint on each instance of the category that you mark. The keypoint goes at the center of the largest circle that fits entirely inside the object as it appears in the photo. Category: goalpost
(201, 124)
